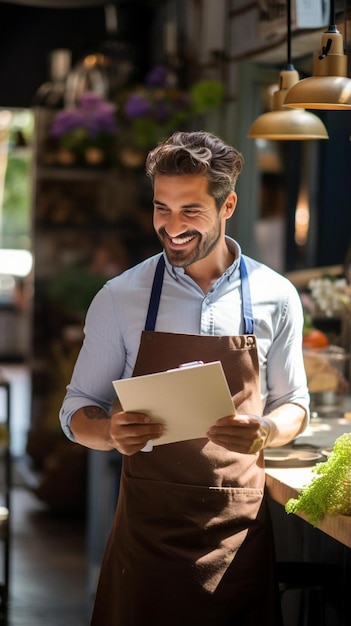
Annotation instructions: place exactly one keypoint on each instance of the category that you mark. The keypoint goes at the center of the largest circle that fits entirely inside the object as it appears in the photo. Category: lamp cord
(289, 65)
(332, 16)
(325, 49)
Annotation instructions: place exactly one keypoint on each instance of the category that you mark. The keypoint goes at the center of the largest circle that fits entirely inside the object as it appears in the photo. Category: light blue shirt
(117, 314)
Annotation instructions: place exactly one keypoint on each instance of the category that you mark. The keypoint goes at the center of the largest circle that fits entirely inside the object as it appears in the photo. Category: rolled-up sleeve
(286, 376)
(101, 359)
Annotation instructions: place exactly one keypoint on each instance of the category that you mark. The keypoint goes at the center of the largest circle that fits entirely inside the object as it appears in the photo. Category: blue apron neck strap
(155, 295)
(157, 288)
(246, 299)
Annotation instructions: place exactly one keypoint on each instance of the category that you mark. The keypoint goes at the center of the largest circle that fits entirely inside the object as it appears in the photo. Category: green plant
(149, 112)
(16, 208)
(73, 287)
(330, 490)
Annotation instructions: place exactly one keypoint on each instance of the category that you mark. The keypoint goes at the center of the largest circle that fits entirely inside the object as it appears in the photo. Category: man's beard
(184, 258)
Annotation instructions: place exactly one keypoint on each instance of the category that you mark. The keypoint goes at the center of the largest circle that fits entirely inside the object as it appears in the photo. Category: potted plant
(85, 133)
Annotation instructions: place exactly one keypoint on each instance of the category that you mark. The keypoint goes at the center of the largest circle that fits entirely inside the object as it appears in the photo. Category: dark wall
(330, 219)
(28, 34)
(334, 216)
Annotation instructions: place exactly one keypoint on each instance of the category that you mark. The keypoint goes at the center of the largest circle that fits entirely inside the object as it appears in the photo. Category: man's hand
(241, 433)
(130, 432)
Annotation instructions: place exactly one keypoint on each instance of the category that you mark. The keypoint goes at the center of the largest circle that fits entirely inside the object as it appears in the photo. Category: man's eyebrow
(193, 205)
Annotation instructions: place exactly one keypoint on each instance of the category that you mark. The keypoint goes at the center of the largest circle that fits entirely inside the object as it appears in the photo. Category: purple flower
(65, 121)
(137, 105)
(103, 118)
(90, 100)
(91, 114)
(157, 77)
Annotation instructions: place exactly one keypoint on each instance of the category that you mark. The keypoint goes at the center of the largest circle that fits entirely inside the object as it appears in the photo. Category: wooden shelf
(68, 173)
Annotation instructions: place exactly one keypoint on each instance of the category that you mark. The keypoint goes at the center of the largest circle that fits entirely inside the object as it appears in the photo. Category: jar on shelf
(48, 100)
(51, 94)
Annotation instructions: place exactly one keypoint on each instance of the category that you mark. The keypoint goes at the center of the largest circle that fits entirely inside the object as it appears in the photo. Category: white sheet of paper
(188, 400)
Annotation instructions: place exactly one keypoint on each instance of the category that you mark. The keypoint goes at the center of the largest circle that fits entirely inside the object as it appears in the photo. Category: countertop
(284, 483)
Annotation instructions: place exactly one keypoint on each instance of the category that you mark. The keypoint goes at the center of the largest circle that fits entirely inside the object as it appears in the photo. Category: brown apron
(192, 540)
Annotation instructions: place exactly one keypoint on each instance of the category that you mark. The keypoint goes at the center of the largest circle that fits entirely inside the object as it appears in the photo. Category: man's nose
(175, 225)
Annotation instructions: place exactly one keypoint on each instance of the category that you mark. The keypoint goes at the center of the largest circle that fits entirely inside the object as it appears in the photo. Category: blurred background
(75, 206)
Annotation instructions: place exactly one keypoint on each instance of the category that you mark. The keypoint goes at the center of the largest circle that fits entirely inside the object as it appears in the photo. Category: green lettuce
(329, 492)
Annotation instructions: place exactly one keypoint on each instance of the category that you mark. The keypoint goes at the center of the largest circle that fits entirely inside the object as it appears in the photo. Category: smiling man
(191, 540)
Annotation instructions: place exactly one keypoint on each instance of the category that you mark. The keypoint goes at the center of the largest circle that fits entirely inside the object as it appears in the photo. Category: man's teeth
(180, 240)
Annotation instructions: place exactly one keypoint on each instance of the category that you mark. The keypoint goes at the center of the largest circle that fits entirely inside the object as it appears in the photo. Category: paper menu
(188, 399)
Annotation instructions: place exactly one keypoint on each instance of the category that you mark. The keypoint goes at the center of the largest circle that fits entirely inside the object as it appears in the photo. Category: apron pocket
(195, 530)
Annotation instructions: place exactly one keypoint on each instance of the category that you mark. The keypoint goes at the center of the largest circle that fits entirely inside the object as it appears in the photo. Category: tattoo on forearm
(95, 413)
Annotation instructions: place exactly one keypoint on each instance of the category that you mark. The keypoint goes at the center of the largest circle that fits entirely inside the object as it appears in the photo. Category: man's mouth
(178, 241)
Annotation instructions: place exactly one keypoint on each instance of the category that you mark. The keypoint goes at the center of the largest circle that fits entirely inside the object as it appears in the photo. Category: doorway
(16, 262)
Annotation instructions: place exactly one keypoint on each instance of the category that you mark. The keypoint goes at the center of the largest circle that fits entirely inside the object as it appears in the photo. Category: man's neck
(207, 271)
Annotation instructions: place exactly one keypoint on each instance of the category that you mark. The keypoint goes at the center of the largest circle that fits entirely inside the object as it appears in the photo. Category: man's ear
(230, 205)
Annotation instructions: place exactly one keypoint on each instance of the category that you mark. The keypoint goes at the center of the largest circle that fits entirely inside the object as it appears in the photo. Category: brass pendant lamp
(328, 88)
(282, 123)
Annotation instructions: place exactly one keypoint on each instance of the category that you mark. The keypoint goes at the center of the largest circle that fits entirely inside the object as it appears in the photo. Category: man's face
(186, 219)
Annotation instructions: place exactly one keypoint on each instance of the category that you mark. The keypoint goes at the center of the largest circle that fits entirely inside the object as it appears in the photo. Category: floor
(48, 571)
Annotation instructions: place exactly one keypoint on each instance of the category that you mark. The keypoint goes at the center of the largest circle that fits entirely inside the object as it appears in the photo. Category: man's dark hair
(198, 152)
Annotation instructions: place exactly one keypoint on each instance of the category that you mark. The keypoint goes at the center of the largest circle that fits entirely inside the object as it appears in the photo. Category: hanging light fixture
(328, 88)
(287, 124)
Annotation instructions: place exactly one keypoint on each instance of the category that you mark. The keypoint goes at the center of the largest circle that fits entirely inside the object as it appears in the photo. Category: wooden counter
(285, 483)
